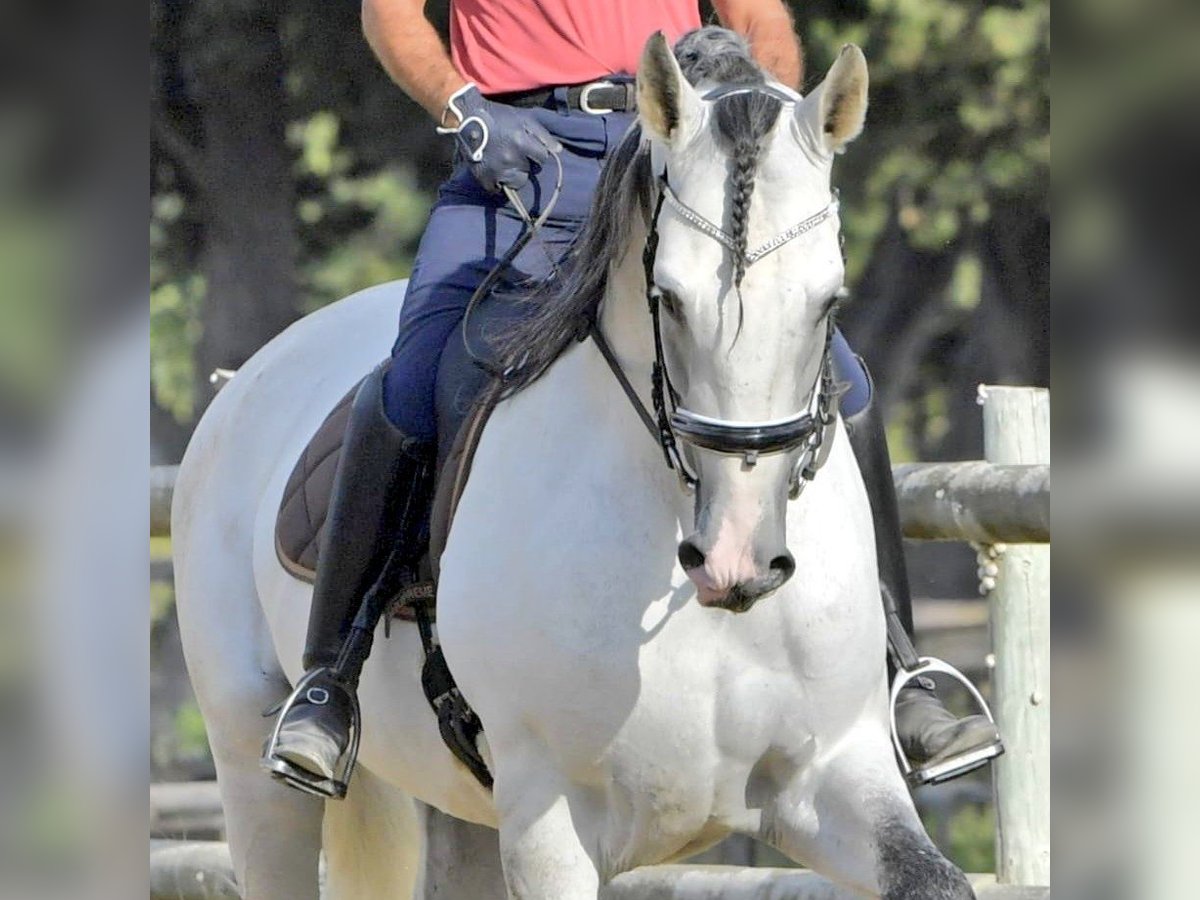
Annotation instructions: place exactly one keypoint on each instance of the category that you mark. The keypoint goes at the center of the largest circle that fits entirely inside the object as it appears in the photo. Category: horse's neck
(625, 318)
(583, 390)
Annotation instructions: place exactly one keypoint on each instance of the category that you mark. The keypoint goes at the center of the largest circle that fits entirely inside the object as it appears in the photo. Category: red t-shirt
(518, 45)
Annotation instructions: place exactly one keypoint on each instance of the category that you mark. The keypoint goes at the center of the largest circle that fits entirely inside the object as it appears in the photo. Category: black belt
(596, 97)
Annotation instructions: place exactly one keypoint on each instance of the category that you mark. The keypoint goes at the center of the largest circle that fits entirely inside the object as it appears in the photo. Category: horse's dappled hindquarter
(628, 723)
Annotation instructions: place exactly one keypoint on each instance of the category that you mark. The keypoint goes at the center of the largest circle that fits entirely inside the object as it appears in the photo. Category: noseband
(809, 429)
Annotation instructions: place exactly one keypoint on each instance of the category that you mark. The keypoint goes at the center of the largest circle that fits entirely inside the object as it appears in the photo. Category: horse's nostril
(690, 556)
(784, 564)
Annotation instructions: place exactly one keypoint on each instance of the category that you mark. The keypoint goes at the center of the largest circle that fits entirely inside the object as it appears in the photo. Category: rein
(809, 429)
(530, 230)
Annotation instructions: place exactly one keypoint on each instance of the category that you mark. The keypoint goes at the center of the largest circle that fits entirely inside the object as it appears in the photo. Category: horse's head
(747, 266)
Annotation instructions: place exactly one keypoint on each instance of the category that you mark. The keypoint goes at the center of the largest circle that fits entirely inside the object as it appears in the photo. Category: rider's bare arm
(773, 40)
(412, 52)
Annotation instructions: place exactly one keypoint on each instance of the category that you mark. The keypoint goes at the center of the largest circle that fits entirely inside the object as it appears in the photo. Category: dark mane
(563, 306)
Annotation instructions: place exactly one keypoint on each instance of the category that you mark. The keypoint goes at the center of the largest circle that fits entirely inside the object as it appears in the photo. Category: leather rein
(667, 421)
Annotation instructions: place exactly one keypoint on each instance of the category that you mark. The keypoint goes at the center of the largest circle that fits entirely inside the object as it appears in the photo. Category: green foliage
(190, 733)
(959, 115)
(967, 282)
(174, 331)
(162, 601)
(358, 225)
(186, 741)
(391, 208)
(969, 837)
(160, 547)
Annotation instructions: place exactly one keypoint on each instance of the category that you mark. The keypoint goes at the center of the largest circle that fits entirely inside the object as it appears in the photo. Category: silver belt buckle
(585, 104)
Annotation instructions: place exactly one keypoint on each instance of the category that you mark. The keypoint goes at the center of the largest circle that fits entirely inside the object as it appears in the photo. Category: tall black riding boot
(928, 732)
(373, 540)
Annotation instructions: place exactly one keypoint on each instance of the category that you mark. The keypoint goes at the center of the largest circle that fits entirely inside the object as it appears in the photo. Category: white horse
(626, 723)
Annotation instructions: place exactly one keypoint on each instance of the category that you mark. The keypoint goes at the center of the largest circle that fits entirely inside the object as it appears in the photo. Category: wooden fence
(201, 870)
(973, 501)
(1001, 505)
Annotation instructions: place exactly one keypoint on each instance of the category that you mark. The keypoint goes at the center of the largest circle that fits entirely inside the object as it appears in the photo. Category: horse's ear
(668, 105)
(834, 113)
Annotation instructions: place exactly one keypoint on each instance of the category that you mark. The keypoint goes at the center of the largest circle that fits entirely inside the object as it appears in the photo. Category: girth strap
(457, 722)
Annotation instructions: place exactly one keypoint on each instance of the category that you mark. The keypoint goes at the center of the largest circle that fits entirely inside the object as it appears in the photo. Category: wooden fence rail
(202, 870)
(974, 501)
(186, 808)
(953, 501)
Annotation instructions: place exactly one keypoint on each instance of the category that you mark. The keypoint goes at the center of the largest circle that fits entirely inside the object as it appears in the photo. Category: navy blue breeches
(469, 231)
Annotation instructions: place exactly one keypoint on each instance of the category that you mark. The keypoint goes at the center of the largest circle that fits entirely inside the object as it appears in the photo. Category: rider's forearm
(411, 51)
(767, 25)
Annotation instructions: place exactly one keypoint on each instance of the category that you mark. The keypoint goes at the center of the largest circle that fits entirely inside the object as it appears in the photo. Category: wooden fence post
(1016, 431)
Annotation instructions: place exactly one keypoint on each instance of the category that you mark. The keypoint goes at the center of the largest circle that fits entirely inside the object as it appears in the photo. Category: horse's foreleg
(461, 859)
(851, 819)
(372, 842)
(545, 827)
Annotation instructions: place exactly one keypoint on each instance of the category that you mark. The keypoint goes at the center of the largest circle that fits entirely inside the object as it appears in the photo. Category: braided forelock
(744, 151)
(743, 121)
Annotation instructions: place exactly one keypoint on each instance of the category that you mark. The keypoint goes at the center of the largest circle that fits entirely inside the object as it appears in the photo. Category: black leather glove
(502, 144)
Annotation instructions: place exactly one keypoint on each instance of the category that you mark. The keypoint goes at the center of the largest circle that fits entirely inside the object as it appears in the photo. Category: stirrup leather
(944, 769)
(288, 772)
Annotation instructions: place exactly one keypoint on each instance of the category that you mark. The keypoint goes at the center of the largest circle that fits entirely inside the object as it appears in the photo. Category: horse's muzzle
(727, 591)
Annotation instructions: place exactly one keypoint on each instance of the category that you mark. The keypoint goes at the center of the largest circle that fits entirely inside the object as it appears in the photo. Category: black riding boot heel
(934, 744)
(372, 542)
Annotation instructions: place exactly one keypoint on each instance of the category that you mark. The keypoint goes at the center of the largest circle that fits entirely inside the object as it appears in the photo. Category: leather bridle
(809, 430)
(669, 423)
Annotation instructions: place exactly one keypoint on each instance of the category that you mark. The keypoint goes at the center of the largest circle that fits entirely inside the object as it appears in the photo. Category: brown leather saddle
(300, 522)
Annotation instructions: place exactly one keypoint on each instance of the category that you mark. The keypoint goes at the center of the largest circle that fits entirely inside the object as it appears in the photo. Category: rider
(524, 79)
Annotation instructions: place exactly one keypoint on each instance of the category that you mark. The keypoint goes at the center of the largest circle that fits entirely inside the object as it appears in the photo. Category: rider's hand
(502, 144)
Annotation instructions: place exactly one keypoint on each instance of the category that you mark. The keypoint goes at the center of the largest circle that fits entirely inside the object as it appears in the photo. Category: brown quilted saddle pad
(300, 522)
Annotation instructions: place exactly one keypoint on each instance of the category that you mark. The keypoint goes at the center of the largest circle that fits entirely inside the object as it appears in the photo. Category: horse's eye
(671, 305)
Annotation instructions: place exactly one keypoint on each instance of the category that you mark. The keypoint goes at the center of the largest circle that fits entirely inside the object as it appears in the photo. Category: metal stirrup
(299, 778)
(943, 770)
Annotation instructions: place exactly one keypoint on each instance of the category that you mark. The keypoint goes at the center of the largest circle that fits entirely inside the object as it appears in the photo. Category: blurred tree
(287, 171)
(222, 125)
